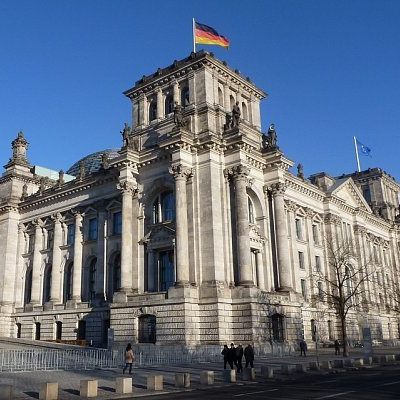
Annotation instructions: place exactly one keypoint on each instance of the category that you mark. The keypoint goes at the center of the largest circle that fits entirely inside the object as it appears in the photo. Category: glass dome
(92, 162)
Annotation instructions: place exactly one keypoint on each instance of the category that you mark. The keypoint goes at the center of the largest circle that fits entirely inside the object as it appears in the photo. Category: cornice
(304, 188)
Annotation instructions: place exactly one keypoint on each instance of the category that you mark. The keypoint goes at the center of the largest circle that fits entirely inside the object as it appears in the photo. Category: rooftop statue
(179, 119)
(270, 139)
(236, 115)
(126, 132)
(300, 171)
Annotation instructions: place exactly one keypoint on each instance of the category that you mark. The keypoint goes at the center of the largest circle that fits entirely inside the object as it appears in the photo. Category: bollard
(339, 363)
(287, 369)
(123, 385)
(182, 380)
(88, 388)
(267, 372)
(206, 377)
(314, 366)
(367, 360)
(155, 382)
(301, 368)
(229, 375)
(249, 374)
(6, 392)
(358, 362)
(48, 391)
(326, 365)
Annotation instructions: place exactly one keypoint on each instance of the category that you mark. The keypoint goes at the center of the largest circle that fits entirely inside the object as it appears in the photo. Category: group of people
(234, 356)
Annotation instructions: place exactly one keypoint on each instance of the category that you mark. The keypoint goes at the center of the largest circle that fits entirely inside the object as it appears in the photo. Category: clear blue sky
(331, 69)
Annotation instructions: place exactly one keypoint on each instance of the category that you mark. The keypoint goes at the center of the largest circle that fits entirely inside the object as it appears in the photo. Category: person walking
(239, 357)
(337, 347)
(129, 358)
(303, 347)
(249, 356)
(226, 353)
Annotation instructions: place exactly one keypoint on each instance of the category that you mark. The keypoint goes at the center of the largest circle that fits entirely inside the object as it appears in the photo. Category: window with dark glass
(147, 329)
(164, 207)
(169, 105)
(320, 291)
(116, 273)
(47, 283)
(167, 269)
(28, 286)
(50, 239)
(37, 330)
(185, 101)
(277, 327)
(58, 330)
(31, 243)
(68, 273)
(19, 329)
(330, 330)
(303, 288)
(92, 231)
(117, 223)
(92, 279)
(301, 260)
(318, 263)
(313, 330)
(315, 233)
(153, 110)
(299, 232)
(366, 193)
(70, 234)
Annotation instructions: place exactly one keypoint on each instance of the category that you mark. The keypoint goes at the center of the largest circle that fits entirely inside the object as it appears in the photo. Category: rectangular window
(31, 243)
(117, 223)
(303, 287)
(92, 232)
(318, 263)
(315, 233)
(366, 193)
(50, 239)
(70, 234)
(299, 232)
(320, 291)
(301, 260)
(330, 330)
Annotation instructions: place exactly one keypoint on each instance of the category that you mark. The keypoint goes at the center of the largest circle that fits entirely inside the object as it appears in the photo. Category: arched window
(147, 329)
(164, 207)
(68, 274)
(92, 279)
(28, 286)
(185, 99)
(153, 110)
(313, 330)
(47, 283)
(251, 210)
(244, 111)
(220, 97)
(169, 105)
(277, 327)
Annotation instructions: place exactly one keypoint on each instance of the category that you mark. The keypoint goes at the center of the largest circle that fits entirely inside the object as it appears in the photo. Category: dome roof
(92, 162)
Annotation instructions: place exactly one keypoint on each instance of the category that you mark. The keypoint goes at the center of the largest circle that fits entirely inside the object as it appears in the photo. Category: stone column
(181, 175)
(100, 266)
(176, 93)
(240, 178)
(37, 261)
(128, 188)
(284, 267)
(260, 270)
(55, 294)
(227, 99)
(77, 269)
(20, 265)
(160, 108)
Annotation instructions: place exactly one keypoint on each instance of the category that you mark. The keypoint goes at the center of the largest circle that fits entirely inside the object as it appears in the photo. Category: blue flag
(364, 149)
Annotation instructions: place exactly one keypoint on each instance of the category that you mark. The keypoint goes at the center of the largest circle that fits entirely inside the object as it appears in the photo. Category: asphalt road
(367, 384)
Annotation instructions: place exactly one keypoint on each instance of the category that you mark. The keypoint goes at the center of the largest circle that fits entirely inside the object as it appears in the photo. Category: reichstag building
(195, 231)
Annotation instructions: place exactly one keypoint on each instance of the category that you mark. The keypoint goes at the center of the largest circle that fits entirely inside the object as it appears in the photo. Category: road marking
(389, 383)
(250, 393)
(334, 395)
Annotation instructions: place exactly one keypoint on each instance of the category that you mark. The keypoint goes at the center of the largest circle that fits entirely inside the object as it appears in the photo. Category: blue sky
(330, 68)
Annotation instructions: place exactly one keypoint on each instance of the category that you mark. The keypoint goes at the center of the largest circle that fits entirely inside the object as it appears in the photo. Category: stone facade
(193, 232)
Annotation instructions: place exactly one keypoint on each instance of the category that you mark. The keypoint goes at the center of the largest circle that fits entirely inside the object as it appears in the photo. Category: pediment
(351, 195)
(159, 233)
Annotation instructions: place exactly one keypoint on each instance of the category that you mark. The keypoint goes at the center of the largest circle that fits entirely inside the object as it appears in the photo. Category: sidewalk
(27, 384)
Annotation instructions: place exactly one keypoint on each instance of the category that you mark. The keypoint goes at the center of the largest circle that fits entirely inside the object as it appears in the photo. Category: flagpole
(356, 149)
(194, 36)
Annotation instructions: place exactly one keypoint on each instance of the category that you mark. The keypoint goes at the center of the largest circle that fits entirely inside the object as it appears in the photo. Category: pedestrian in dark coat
(303, 347)
(226, 353)
(239, 357)
(249, 356)
(129, 358)
(337, 347)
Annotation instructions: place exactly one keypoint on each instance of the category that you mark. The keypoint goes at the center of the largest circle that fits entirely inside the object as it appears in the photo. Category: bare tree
(344, 284)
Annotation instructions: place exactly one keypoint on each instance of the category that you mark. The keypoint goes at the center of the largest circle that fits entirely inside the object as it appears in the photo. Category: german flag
(206, 35)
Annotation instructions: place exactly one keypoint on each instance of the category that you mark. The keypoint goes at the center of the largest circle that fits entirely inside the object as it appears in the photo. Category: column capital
(278, 189)
(38, 223)
(237, 172)
(128, 187)
(57, 218)
(21, 228)
(179, 171)
(291, 205)
(332, 219)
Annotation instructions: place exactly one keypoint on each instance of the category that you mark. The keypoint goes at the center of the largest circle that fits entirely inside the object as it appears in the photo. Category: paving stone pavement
(27, 384)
